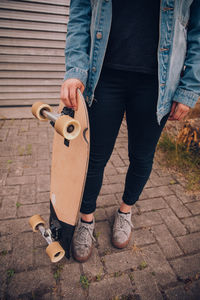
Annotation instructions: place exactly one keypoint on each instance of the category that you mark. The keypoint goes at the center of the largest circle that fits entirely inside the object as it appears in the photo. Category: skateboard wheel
(37, 109)
(68, 127)
(35, 221)
(55, 252)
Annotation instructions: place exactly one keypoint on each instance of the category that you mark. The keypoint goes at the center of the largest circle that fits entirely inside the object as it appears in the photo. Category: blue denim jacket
(178, 50)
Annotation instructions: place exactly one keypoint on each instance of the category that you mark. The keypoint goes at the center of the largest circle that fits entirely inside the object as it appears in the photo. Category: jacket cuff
(185, 97)
(78, 74)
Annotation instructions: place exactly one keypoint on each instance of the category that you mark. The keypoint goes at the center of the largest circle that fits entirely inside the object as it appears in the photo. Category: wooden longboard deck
(69, 168)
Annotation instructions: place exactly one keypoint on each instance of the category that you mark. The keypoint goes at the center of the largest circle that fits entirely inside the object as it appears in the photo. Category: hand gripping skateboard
(70, 158)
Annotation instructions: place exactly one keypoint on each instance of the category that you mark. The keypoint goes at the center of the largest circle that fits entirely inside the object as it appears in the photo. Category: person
(140, 57)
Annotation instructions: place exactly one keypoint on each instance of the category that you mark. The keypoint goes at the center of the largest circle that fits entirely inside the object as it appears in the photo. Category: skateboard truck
(54, 249)
(63, 123)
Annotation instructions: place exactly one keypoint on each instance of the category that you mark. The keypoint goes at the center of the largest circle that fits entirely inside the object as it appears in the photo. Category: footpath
(161, 262)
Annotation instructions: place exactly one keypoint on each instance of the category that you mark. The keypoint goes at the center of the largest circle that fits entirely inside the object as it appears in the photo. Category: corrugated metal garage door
(32, 41)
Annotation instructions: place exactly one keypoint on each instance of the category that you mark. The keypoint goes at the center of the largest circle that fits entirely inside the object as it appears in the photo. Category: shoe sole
(123, 245)
(81, 259)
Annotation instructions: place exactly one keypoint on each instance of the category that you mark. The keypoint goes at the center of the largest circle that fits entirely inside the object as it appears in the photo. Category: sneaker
(121, 230)
(82, 241)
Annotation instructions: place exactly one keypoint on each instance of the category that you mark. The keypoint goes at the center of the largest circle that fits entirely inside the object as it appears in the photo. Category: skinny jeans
(117, 92)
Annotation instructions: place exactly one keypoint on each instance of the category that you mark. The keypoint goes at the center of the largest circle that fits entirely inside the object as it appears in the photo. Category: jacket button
(99, 35)
(94, 69)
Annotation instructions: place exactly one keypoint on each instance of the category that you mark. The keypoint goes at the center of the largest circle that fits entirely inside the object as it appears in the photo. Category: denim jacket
(178, 49)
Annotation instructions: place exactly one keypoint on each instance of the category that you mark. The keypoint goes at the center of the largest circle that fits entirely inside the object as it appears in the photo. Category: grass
(177, 156)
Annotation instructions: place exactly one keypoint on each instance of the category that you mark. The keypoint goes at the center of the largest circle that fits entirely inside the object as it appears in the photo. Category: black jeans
(116, 92)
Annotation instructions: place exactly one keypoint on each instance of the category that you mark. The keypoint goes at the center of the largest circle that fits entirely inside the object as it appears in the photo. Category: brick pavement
(162, 260)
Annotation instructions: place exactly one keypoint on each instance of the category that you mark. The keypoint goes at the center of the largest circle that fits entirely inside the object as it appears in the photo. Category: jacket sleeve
(188, 90)
(78, 40)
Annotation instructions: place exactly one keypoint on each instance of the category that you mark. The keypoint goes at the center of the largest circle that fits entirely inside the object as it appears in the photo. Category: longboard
(70, 156)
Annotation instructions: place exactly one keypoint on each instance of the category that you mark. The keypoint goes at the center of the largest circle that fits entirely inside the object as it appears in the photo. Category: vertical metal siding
(32, 41)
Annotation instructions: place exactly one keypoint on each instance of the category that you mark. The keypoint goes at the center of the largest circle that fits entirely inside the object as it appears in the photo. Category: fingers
(68, 93)
(178, 111)
(72, 97)
(173, 109)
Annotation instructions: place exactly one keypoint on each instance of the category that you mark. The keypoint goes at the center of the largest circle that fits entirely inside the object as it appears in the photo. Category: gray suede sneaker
(121, 230)
(82, 241)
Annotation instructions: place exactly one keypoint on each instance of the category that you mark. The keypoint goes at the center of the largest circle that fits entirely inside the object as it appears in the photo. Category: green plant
(29, 149)
(4, 252)
(177, 156)
(57, 273)
(18, 204)
(84, 281)
(10, 273)
(142, 265)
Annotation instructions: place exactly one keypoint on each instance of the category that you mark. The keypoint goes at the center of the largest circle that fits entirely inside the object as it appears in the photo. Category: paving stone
(93, 266)
(111, 188)
(148, 184)
(70, 282)
(40, 258)
(103, 236)
(43, 197)
(181, 292)
(123, 260)
(100, 214)
(22, 255)
(43, 183)
(192, 223)
(120, 178)
(154, 257)
(15, 170)
(14, 226)
(180, 209)
(162, 172)
(3, 134)
(166, 241)
(146, 285)
(31, 282)
(122, 170)
(146, 219)
(142, 237)
(160, 191)
(181, 194)
(20, 180)
(123, 153)
(5, 244)
(106, 200)
(117, 286)
(3, 178)
(110, 170)
(187, 266)
(160, 181)
(190, 242)
(33, 209)
(8, 207)
(28, 194)
(151, 204)
(194, 207)
(144, 195)
(37, 170)
(172, 222)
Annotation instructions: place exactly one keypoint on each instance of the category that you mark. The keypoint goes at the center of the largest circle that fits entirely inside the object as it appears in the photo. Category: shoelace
(83, 232)
(121, 222)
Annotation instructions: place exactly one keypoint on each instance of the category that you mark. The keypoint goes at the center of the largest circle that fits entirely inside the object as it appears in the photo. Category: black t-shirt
(134, 35)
